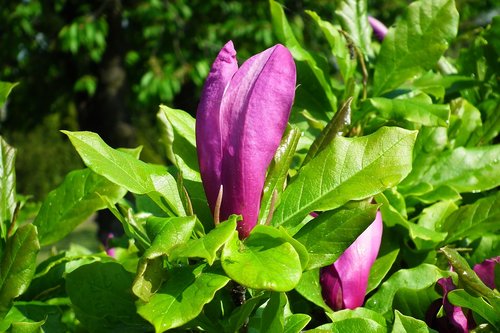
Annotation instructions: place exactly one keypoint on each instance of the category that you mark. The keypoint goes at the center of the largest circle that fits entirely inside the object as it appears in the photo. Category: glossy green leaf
(73, 202)
(271, 318)
(7, 185)
(296, 322)
(310, 288)
(180, 141)
(460, 297)
(415, 302)
(17, 265)
(101, 297)
(407, 324)
(420, 277)
(249, 262)
(465, 120)
(358, 320)
(241, 313)
(277, 173)
(416, 44)
(315, 92)
(417, 110)
(347, 169)
(148, 278)
(5, 89)
(126, 171)
(353, 16)
(474, 220)
(167, 233)
(207, 246)
(331, 233)
(182, 297)
(380, 268)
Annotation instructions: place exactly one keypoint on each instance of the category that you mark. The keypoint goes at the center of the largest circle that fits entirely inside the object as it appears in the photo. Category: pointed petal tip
(227, 53)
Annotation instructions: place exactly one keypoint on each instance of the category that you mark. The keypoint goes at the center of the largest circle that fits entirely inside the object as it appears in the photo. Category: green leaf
(249, 262)
(167, 233)
(417, 110)
(310, 288)
(406, 324)
(380, 268)
(296, 322)
(465, 120)
(7, 184)
(420, 277)
(17, 266)
(271, 318)
(460, 297)
(73, 202)
(148, 278)
(207, 246)
(126, 171)
(5, 89)
(360, 319)
(474, 220)
(348, 169)
(241, 313)
(469, 279)
(315, 92)
(354, 19)
(182, 296)
(180, 141)
(331, 233)
(277, 173)
(463, 169)
(416, 44)
(101, 297)
(415, 302)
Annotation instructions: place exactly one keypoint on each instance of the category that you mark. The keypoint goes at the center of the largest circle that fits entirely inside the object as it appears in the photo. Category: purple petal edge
(378, 27)
(486, 271)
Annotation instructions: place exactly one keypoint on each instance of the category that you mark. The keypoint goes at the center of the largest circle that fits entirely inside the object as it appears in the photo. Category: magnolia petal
(378, 27)
(486, 271)
(454, 314)
(352, 268)
(254, 113)
(208, 133)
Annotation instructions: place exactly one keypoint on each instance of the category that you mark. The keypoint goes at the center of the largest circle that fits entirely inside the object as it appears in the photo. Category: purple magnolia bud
(486, 271)
(240, 121)
(344, 282)
(456, 317)
(378, 27)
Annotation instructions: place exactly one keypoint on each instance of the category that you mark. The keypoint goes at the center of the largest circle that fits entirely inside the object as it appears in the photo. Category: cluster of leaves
(398, 123)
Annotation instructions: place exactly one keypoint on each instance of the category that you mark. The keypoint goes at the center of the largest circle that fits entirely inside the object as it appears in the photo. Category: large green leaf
(330, 234)
(249, 262)
(354, 19)
(416, 44)
(17, 265)
(126, 171)
(180, 141)
(474, 220)
(315, 92)
(406, 324)
(182, 296)
(72, 203)
(101, 297)
(347, 169)
(7, 186)
(420, 277)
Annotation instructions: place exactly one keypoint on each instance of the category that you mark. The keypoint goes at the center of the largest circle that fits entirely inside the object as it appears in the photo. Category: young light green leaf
(380, 268)
(207, 246)
(416, 278)
(315, 92)
(182, 297)
(407, 324)
(460, 297)
(354, 19)
(359, 319)
(347, 169)
(101, 297)
(17, 265)
(416, 44)
(73, 202)
(5, 89)
(310, 288)
(277, 173)
(248, 262)
(296, 322)
(167, 233)
(179, 136)
(464, 122)
(7, 185)
(330, 234)
(126, 171)
(474, 220)
(272, 318)
(418, 110)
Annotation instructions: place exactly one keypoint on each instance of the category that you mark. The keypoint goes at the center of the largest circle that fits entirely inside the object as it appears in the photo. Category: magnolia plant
(323, 191)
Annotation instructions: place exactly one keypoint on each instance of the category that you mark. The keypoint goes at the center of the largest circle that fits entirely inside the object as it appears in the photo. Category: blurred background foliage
(105, 66)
